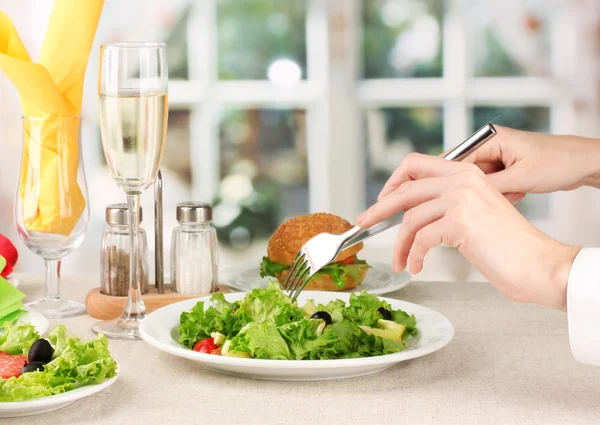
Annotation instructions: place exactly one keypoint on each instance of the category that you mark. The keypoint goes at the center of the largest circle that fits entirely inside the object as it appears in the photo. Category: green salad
(337, 271)
(266, 324)
(33, 367)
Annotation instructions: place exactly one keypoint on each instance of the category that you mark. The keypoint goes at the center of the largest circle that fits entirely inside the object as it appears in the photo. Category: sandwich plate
(159, 329)
(380, 278)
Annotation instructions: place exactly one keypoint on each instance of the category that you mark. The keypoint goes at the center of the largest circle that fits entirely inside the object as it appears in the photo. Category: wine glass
(52, 208)
(132, 87)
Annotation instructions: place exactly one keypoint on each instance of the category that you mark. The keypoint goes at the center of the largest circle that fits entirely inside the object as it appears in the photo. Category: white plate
(36, 319)
(380, 278)
(13, 281)
(159, 329)
(13, 409)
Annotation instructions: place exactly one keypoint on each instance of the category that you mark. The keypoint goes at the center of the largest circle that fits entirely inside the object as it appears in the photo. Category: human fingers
(413, 221)
(418, 166)
(406, 196)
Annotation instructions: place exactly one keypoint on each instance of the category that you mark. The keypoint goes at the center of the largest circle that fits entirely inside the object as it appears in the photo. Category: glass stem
(52, 280)
(135, 308)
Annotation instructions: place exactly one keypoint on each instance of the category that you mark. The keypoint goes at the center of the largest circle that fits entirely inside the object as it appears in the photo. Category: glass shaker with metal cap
(115, 253)
(194, 251)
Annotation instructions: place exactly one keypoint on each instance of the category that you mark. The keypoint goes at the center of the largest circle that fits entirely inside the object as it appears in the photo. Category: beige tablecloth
(508, 364)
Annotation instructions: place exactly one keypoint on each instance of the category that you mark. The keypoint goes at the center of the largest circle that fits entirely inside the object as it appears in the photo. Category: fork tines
(294, 282)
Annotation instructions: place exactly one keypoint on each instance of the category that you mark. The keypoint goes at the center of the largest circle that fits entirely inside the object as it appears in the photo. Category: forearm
(583, 157)
(592, 162)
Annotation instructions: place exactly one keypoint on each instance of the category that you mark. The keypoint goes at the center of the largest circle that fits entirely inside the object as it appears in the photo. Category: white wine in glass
(133, 128)
(132, 89)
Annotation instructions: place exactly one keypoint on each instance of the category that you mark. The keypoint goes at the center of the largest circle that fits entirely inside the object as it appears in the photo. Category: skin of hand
(457, 204)
(519, 162)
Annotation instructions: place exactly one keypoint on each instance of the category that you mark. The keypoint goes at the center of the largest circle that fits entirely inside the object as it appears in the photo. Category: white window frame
(334, 98)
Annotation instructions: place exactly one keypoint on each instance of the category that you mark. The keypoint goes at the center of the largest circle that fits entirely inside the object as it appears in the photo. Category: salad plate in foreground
(379, 280)
(48, 404)
(327, 335)
(40, 374)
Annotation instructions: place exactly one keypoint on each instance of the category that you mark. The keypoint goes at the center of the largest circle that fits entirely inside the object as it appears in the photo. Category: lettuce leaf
(58, 338)
(409, 321)
(362, 309)
(271, 268)
(87, 362)
(300, 336)
(342, 341)
(34, 385)
(335, 309)
(222, 316)
(78, 363)
(262, 341)
(270, 303)
(337, 271)
(17, 339)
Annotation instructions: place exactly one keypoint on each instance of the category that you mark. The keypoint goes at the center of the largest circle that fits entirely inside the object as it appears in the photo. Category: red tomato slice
(11, 365)
(205, 346)
(216, 352)
(348, 261)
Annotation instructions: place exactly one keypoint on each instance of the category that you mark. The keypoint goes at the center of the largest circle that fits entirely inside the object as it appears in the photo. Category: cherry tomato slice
(348, 261)
(205, 345)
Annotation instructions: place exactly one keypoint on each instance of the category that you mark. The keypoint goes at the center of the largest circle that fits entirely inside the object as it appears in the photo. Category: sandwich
(346, 272)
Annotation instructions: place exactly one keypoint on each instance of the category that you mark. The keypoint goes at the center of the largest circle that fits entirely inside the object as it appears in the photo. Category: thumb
(512, 179)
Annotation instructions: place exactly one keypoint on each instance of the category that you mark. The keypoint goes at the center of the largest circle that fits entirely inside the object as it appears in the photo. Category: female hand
(519, 162)
(456, 204)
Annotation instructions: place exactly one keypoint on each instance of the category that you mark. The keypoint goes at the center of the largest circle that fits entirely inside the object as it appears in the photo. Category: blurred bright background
(280, 108)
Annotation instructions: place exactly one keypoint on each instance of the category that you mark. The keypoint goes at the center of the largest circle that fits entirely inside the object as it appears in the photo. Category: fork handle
(357, 234)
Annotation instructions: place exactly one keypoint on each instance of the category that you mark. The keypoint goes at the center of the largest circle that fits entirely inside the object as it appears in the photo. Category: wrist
(590, 150)
(559, 266)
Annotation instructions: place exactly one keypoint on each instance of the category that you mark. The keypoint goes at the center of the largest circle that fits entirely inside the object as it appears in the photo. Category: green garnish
(337, 271)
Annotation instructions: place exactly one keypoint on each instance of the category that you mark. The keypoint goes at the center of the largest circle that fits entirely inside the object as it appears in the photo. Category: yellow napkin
(53, 87)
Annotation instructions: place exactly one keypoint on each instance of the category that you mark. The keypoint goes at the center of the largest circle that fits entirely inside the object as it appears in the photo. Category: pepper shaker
(194, 261)
(115, 253)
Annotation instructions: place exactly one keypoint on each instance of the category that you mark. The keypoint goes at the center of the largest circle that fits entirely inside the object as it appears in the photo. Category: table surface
(508, 363)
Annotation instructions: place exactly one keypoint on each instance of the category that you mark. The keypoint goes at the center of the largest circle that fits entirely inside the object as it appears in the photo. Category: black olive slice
(323, 315)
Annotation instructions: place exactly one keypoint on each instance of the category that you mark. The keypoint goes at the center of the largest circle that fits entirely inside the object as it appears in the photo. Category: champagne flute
(132, 88)
(52, 208)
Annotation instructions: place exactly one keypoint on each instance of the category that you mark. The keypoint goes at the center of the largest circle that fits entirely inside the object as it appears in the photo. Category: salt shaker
(194, 251)
(115, 253)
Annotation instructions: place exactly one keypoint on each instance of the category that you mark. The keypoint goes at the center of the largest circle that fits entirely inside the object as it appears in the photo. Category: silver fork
(325, 247)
